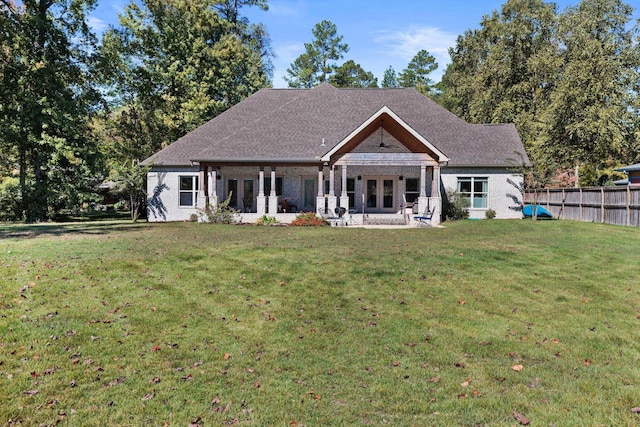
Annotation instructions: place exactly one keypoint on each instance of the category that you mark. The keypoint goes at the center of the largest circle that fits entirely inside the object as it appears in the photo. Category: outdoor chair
(287, 206)
(407, 209)
(425, 219)
(247, 204)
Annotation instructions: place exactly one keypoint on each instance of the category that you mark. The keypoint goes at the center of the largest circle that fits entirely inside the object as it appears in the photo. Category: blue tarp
(541, 212)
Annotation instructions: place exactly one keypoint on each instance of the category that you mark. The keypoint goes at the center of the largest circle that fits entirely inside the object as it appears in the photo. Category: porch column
(344, 198)
(435, 182)
(203, 194)
(332, 200)
(213, 187)
(261, 203)
(320, 196)
(273, 198)
(423, 200)
(435, 201)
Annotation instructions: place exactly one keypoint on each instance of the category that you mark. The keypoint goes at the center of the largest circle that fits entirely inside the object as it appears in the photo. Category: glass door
(309, 195)
(380, 195)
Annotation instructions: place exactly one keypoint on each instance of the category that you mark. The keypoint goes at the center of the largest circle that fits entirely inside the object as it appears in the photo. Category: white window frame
(473, 195)
(193, 191)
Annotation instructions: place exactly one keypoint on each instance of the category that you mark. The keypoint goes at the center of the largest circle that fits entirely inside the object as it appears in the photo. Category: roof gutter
(254, 160)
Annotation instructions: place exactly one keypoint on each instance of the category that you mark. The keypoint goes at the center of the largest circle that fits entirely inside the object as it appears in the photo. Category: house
(372, 151)
(633, 175)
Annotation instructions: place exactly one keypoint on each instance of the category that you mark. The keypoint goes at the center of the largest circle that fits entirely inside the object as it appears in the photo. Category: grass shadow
(29, 231)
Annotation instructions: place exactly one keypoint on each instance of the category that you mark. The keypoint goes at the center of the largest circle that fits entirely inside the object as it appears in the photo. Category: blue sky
(380, 33)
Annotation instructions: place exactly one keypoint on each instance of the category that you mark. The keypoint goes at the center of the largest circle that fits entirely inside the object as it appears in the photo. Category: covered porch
(368, 190)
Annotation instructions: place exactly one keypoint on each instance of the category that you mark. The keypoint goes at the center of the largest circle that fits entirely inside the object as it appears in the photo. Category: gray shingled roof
(290, 124)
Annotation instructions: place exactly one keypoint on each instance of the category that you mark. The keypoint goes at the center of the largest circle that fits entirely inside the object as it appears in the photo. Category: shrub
(266, 220)
(307, 219)
(10, 199)
(490, 214)
(222, 213)
(457, 207)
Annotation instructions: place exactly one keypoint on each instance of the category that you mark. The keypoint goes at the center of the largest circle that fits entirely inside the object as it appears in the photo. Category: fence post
(628, 206)
(602, 216)
(548, 197)
(581, 214)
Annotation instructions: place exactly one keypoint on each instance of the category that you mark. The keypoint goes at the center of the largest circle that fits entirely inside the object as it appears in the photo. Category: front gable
(384, 137)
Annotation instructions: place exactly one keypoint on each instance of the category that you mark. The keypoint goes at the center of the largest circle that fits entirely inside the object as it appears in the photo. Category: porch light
(400, 178)
(359, 177)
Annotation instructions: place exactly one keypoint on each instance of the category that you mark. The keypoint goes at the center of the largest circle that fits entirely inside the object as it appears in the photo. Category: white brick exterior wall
(163, 194)
(163, 187)
(503, 187)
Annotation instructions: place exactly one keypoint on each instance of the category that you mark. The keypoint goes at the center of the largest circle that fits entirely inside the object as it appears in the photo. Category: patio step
(384, 220)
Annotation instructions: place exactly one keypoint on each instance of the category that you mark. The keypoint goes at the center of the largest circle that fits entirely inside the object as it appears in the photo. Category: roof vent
(323, 142)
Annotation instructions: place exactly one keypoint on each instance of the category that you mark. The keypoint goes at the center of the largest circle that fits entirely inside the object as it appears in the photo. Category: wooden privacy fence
(610, 205)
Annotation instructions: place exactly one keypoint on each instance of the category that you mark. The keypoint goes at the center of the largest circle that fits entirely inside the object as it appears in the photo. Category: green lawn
(171, 324)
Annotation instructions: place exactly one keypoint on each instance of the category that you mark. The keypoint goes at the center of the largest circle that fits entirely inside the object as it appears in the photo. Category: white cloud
(405, 44)
(96, 24)
(287, 8)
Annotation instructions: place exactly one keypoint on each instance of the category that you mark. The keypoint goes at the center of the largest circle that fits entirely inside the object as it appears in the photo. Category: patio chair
(288, 206)
(425, 219)
(247, 204)
(407, 209)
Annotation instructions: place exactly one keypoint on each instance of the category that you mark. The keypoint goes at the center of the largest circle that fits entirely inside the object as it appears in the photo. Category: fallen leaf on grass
(434, 379)
(521, 418)
(155, 380)
(149, 396)
(227, 356)
(30, 392)
(517, 368)
(636, 410)
(587, 362)
(115, 382)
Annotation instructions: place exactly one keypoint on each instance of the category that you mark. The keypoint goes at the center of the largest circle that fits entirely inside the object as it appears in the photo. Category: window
(188, 190)
(267, 186)
(351, 192)
(412, 189)
(475, 190)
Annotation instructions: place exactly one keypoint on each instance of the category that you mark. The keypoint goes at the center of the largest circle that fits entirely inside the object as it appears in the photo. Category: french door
(380, 194)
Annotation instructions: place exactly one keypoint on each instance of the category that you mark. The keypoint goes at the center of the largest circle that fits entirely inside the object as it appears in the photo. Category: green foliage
(417, 72)
(48, 95)
(266, 220)
(10, 199)
(390, 79)
(317, 63)
(455, 206)
(175, 65)
(567, 80)
(130, 182)
(351, 74)
(222, 213)
(308, 219)
(490, 214)
(591, 110)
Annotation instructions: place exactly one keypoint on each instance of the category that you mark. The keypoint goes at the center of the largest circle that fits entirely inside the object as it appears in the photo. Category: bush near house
(307, 219)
